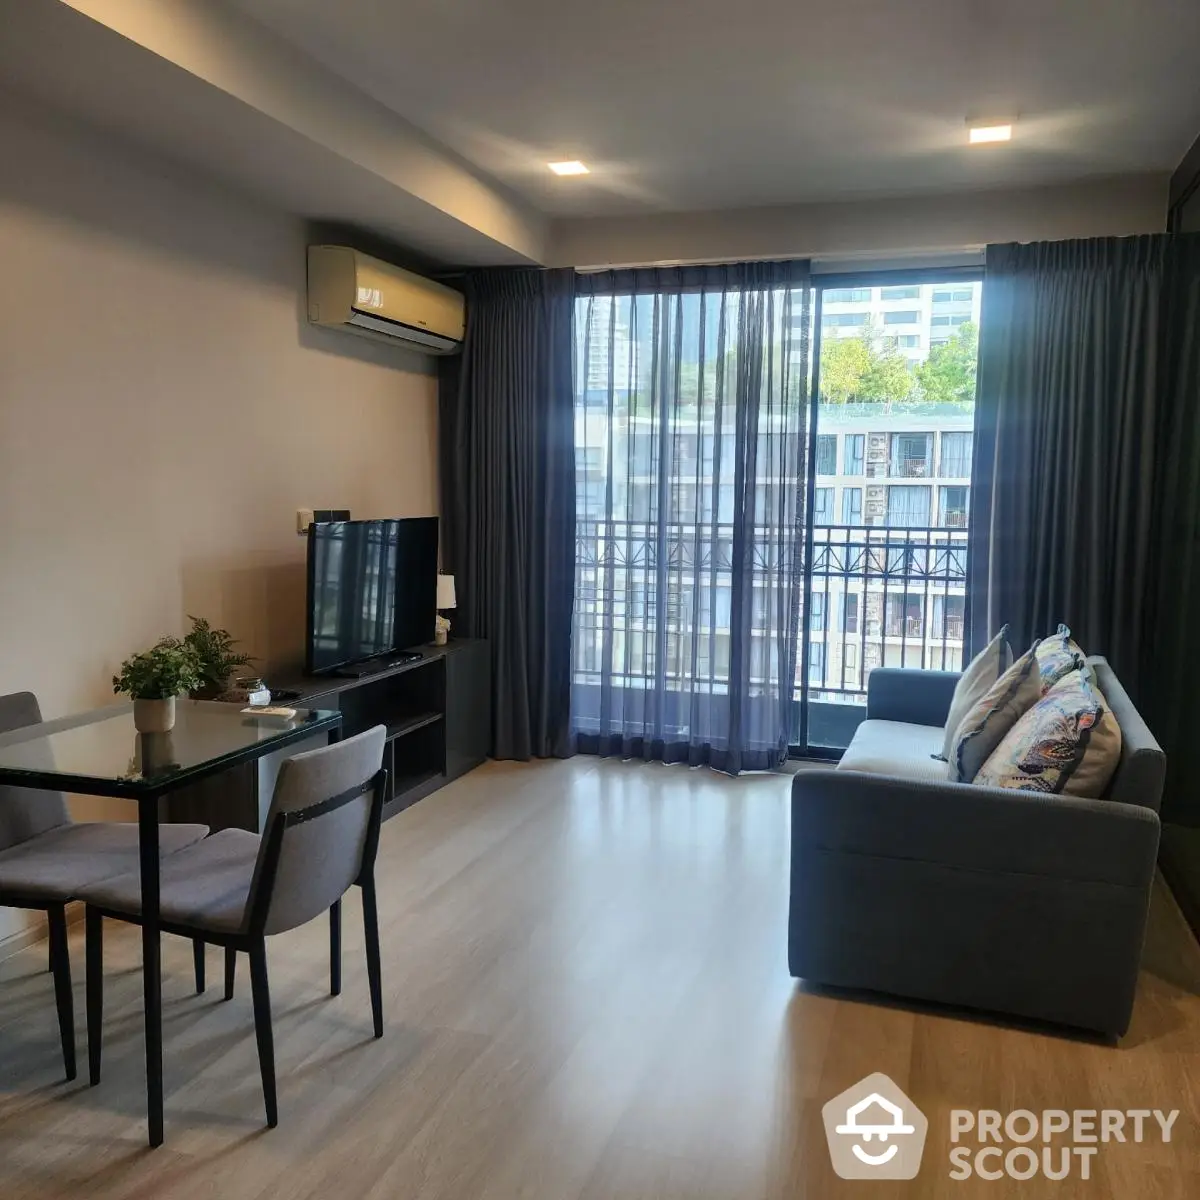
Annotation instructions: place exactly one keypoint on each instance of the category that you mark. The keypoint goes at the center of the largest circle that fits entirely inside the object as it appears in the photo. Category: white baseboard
(16, 942)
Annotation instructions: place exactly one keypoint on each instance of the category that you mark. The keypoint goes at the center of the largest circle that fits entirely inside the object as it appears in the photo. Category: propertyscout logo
(876, 1132)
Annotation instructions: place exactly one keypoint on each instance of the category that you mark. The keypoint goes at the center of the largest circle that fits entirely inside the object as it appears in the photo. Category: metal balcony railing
(901, 595)
(878, 597)
(910, 468)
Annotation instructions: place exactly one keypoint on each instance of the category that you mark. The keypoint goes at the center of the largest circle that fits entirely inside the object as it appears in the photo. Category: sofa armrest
(976, 828)
(906, 694)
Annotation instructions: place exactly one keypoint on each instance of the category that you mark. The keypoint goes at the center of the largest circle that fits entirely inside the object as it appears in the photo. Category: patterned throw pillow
(984, 726)
(982, 671)
(1069, 743)
(1057, 656)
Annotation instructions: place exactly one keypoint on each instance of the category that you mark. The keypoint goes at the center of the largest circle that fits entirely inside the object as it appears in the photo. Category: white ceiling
(709, 104)
(209, 88)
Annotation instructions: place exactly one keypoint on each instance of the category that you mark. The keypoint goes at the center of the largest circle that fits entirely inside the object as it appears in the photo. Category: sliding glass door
(773, 483)
(692, 404)
(891, 485)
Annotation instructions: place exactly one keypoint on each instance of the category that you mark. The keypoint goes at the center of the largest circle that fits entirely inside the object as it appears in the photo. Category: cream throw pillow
(974, 683)
(1058, 655)
(1068, 744)
(986, 723)
(1102, 754)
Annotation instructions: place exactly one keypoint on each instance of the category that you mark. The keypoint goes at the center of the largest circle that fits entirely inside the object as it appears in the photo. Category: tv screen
(372, 589)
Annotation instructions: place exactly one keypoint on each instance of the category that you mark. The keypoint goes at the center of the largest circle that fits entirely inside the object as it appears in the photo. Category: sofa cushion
(1057, 656)
(982, 671)
(898, 749)
(986, 723)
(1067, 744)
(1102, 753)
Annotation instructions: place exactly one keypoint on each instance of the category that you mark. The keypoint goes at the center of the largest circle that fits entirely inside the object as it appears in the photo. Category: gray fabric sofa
(1015, 902)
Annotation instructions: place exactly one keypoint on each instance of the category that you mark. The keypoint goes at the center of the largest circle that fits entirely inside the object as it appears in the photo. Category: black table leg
(151, 964)
(335, 949)
(198, 963)
(94, 926)
(61, 958)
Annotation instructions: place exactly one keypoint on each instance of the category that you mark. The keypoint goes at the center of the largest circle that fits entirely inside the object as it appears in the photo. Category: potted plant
(216, 659)
(153, 679)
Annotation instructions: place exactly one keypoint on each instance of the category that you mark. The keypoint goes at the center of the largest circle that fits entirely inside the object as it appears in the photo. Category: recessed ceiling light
(573, 167)
(989, 133)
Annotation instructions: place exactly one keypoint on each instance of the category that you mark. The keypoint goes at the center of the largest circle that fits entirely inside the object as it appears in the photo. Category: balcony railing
(901, 595)
(880, 596)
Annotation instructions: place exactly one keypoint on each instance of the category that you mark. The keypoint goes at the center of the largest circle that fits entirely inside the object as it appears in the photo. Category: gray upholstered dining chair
(46, 858)
(235, 888)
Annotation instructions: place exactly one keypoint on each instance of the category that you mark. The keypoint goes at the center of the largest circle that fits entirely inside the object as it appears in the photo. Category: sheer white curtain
(691, 428)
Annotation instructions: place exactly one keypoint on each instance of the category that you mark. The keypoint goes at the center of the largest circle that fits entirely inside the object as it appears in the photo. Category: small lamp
(446, 600)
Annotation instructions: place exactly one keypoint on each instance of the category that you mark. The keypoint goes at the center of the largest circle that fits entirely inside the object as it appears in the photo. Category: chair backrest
(324, 818)
(1142, 770)
(26, 812)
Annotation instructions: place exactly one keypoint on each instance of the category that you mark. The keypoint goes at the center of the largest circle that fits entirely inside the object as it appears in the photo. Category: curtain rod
(968, 262)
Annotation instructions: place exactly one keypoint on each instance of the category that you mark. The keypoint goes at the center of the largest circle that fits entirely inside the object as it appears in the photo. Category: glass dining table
(100, 753)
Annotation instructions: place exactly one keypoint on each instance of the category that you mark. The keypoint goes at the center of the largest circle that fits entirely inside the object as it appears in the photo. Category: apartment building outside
(918, 316)
(885, 573)
(887, 567)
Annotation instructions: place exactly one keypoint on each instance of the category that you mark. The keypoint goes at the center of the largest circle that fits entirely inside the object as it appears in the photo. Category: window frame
(847, 518)
(909, 291)
(859, 440)
(819, 458)
(828, 493)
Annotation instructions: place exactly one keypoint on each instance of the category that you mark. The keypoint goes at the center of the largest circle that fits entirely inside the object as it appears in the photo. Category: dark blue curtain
(1086, 497)
(1172, 636)
(691, 427)
(1066, 414)
(508, 498)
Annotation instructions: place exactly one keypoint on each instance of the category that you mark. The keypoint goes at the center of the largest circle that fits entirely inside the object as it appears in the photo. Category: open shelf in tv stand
(437, 711)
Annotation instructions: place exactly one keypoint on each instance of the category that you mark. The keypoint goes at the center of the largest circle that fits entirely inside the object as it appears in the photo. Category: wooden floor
(587, 999)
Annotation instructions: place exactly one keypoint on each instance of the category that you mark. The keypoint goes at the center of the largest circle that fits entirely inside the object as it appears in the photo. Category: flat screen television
(372, 590)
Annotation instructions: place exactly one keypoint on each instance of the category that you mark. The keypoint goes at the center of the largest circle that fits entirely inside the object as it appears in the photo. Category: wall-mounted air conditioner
(360, 294)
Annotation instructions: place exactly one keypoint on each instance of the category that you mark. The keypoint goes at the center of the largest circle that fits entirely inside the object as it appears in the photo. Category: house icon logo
(875, 1131)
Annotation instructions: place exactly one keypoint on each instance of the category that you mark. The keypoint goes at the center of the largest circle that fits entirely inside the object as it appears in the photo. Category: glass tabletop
(101, 753)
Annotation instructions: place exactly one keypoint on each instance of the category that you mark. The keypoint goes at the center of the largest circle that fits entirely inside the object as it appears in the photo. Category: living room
(806, 368)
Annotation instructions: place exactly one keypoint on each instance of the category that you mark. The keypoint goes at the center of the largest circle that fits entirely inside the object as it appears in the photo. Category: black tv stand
(435, 704)
(436, 708)
(374, 666)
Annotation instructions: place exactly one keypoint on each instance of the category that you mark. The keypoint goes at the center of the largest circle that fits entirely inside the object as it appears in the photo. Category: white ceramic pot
(154, 716)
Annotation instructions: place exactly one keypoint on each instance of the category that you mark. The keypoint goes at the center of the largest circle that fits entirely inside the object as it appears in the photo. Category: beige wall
(869, 229)
(164, 410)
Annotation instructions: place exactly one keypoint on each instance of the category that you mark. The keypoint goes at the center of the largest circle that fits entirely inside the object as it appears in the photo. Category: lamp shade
(445, 592)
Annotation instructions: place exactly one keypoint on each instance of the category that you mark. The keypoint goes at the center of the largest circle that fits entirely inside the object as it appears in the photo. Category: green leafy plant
(166, 669)
(216, 658)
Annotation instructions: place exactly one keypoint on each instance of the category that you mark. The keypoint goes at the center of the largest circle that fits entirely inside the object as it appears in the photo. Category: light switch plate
(304, 518)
